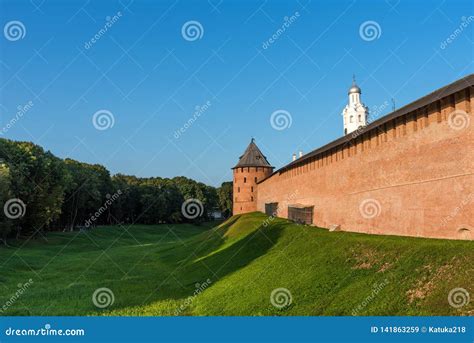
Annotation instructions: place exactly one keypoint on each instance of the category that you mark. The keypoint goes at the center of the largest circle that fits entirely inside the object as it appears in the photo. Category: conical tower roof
(252, 157)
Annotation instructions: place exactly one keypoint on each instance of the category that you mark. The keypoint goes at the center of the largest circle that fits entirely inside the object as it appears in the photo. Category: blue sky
(152, 80)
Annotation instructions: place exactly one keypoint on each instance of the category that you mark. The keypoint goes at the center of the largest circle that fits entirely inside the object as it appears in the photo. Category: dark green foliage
(39, 179)
(225, 195)
(67, 194)
(5, 223)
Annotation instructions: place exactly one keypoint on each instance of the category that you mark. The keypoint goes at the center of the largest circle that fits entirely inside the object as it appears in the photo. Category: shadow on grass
(164, 271)
(217, 263)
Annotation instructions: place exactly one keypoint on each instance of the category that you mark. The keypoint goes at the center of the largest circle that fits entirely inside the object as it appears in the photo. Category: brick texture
(412, 176)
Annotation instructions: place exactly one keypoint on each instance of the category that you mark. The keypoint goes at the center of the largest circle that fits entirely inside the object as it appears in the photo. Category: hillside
(233, 268)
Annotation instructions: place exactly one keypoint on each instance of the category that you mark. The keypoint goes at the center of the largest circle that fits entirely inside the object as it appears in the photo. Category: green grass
(153, 270)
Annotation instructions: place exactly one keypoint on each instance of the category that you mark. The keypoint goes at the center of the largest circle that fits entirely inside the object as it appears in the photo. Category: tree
(128, 207)
(225, 196)
(38, 179)
(66, 193)
(86, 193)
(191, 189)
(5, 222)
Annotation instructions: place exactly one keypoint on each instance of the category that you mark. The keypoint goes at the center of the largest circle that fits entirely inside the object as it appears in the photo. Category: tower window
(238, 189)
(251, 189)
(351, 119)
(241, 170)
(255, 179)
(251, 198)
(345, 131)
(245, 180)
(360, 117)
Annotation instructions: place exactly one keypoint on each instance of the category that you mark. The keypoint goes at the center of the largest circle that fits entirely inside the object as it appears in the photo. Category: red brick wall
(245, 188)
(412, 176)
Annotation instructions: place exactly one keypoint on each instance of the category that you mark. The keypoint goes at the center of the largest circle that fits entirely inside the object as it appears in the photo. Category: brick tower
(253, 167)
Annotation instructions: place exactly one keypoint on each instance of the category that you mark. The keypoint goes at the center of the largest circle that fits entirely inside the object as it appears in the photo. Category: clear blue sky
(151, 79)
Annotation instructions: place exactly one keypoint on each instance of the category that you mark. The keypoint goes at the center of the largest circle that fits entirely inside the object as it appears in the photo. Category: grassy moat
(232, 269)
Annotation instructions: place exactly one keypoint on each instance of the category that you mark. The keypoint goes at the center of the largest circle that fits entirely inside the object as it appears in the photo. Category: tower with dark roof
(252, 168)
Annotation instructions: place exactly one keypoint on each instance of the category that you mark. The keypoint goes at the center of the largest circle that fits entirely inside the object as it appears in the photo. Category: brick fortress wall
(410, 176)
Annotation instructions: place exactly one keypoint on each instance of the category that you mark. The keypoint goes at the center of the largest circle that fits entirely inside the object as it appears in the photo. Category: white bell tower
(355, 113)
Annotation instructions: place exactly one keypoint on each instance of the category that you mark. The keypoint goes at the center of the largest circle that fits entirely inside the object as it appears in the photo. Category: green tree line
(40, 192)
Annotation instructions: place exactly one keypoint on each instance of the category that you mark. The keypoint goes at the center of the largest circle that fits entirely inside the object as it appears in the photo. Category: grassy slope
(152, 270)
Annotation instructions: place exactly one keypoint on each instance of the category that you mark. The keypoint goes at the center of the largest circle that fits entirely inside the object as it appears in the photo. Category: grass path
(232, 269)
